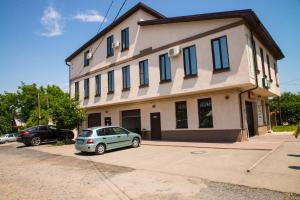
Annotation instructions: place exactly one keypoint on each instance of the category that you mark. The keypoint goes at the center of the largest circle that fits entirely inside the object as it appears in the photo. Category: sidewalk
(269, 141)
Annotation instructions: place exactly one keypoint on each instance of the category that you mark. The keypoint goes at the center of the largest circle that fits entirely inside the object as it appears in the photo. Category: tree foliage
(287, 107)
(54, 103)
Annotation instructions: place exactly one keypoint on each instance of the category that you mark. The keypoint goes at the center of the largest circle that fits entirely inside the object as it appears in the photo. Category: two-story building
(203, 77)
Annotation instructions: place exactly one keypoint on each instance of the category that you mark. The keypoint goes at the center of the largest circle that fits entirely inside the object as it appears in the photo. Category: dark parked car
(44, 133)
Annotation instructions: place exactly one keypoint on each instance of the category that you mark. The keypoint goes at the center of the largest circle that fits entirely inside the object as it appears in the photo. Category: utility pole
(39, 108)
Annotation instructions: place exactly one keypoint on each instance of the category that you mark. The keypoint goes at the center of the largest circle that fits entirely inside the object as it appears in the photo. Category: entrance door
(155, 126)
(94, 119)
(107, 121)
(250, 119)
(131, 120)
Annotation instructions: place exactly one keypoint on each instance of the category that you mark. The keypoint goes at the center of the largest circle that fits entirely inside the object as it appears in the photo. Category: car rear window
(85, 133)
(30, 129)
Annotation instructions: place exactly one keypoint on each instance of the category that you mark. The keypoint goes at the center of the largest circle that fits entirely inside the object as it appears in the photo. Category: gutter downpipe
(248, 90)
(67, 63)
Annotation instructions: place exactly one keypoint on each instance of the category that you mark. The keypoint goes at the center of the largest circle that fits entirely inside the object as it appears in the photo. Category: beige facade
(222, 87)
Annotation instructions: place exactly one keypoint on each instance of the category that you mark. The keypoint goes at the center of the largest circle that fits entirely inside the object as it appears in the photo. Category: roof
(248, 15)
(127, 14)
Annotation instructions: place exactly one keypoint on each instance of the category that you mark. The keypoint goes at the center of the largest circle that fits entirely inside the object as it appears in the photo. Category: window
(269, 68)
(181, 114)
(86, 61)
(86, 88)
(144, 78)
(125, 39)
(111, 82)
(220, 53)
(110, 50)
(205, 113)
(165, 67)
(77, 90)
(276, 73)
(105, 131)
(98, 85)
(126, 77)
(262, 61)
(190, 61)
(118, 130)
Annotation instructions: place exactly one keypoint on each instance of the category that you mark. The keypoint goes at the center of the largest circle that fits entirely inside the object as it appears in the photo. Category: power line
(105, 16)
(290, 81)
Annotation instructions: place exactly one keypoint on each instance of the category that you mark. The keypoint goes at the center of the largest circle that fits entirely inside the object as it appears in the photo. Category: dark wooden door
(155, 126)
(107, 121)
(250, 119)
(94, 120)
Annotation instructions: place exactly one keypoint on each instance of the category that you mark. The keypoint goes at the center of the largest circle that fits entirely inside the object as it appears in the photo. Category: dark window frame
(125, 39)
(110, 82)
(191, 75)
(86, 61)
(262, 58)
(86, 88)
(164, 79)
(98, 85)
(109, 47)
(222, 69)
(143, 74)
(211, 125)
(276, 73)
(125, 79)
(177, 115)
(269, 68)
(76, 90)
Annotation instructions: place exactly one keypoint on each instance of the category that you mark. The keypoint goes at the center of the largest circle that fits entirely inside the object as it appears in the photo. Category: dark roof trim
(112, 25)
(248, 15)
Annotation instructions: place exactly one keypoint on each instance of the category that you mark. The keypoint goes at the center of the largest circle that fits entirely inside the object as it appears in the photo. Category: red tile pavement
(268, 141)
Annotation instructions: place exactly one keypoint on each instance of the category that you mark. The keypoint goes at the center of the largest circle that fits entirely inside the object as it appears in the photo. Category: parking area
(227, 165)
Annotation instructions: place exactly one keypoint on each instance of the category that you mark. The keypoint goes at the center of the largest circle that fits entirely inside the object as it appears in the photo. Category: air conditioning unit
(89, 55)
(116, 45)
(175, 51)
(266, 84)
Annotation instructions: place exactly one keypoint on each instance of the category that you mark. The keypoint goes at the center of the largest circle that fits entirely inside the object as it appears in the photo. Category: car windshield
(85, 133)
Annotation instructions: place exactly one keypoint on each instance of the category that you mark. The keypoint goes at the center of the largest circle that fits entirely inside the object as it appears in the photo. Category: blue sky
(36, 36)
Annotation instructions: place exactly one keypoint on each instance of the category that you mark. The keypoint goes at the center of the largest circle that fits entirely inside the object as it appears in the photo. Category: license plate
(79, 141)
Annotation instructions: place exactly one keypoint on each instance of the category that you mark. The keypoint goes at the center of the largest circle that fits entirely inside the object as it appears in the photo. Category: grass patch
(289, 128)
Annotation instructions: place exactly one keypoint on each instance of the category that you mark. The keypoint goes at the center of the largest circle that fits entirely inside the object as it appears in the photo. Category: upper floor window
(125, 39)
(111, 82)
(205, 113)
(126, 77)
(220, 53)
(86, 61)
(77, 90)
(86, 88)
(262, 62)
(165, 67)
(110, 49)
(181, 114)
(276, 73)
(269, 68)
(190, 61)
(144, 77)
(98, 85)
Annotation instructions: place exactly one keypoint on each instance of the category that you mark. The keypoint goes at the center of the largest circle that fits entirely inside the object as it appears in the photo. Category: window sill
(125, 89)
(271, 80)
(277, 85)
(85, 65)
(110, 92)
(86, 97)
(191, 76)
(258, 71)
(216, 71)
(97, 95)
(206, 127)
(181, 127)
(145, 85)
(265, 76)
(165, 81)
(108, 56)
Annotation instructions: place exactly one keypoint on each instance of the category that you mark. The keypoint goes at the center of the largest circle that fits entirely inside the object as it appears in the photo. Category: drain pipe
(256, 82)
(67, 63)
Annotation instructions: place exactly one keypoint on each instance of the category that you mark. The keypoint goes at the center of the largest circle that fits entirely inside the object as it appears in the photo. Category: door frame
(253, 119)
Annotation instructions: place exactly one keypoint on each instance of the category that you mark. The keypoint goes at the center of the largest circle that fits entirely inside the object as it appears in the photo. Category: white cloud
(89, 16)
(52, 22)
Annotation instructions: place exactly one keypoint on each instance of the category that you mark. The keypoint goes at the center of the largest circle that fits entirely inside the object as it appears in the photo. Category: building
(203, 77)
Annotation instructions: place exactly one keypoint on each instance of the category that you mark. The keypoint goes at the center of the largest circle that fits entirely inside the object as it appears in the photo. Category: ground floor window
(181, 114)
(205, 113)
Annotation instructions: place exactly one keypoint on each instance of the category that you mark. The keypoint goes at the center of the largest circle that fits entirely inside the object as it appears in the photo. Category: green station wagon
(101, 139)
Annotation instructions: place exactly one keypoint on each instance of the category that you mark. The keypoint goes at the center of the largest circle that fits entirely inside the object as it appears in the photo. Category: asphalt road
(29, 174)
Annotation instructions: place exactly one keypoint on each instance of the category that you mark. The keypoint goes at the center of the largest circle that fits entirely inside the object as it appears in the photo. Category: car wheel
(36, 141)
(135, 142)
(100, 149)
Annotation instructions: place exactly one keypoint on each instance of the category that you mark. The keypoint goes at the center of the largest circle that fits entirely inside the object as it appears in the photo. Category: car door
(123, 138)
(43, 132)
(11, 137)
(109, 138)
